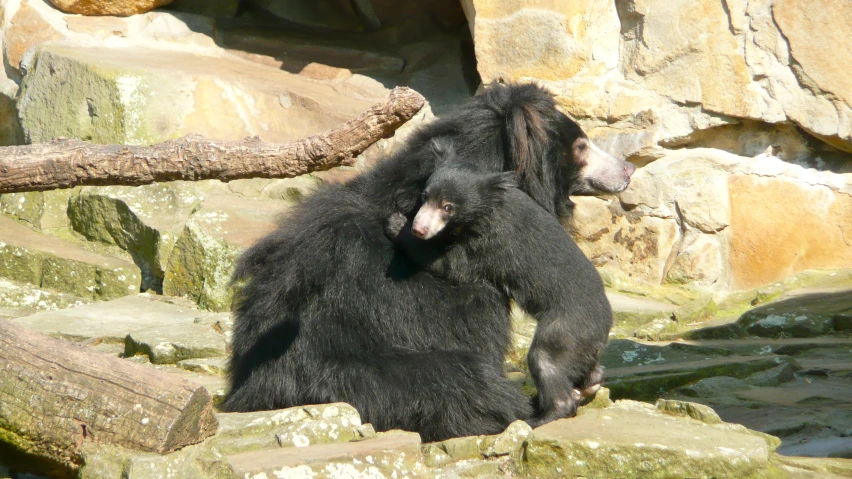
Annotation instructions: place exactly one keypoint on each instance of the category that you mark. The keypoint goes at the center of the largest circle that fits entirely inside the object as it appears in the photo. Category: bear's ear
(526, 132)
(530, 135)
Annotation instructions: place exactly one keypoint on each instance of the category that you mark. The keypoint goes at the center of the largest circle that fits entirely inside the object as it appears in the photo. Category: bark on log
(55, 395)
(67, 163)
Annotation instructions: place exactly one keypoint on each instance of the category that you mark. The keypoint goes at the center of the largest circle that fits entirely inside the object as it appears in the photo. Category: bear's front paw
(394, 225)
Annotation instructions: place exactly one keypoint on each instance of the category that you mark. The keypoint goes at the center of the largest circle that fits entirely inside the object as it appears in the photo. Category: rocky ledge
(624, 439)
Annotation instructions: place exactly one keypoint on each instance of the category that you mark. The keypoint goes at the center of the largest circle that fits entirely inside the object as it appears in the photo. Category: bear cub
(477, 226)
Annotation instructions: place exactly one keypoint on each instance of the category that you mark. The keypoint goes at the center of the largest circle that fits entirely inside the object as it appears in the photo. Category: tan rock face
(639, 245)
(686, 51)
(780, 227)
(26, 29)
(550, 40)
(672, 69)
(818, 32)
(120, 8)
(819, 40)
(714, 220)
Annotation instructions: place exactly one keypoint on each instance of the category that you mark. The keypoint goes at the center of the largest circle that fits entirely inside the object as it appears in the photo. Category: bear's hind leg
(440, 394)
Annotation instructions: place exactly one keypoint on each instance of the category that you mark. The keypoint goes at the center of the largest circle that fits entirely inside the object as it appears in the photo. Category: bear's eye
(582, 146)
(449, 208)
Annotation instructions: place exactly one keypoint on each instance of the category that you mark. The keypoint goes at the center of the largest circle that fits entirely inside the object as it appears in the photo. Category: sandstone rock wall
(656, 73)
(740, 110)
(750, 82)
(712, 219)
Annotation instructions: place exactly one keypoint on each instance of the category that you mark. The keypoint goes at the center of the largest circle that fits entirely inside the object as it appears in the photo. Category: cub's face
(435, 214)
(460, 196)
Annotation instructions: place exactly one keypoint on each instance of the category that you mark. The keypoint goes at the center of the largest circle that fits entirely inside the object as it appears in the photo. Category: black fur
(497, 233)
(331, 311)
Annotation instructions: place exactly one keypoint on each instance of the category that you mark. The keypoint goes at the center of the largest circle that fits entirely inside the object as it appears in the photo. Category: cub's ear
(442, 147)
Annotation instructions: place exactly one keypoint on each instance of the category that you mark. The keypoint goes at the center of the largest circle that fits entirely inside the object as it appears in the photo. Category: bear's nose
(629, 168)
(419, 230)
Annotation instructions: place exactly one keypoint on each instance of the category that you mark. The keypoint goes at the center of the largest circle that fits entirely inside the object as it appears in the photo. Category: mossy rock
(53, 263)
(635, 441)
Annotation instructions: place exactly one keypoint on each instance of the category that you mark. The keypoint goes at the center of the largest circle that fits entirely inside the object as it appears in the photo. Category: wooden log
(67, 163)
(56, 395)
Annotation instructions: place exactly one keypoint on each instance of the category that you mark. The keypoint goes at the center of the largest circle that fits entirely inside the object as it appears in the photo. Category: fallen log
(56, 395)
(67, 163)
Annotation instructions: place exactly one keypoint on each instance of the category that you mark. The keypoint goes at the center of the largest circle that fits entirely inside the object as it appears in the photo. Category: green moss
(75, 94)
(19, 264)
(699, 412)
(648, 387)
(545, 459)
(19, 443)
(111, 221)
(200, 268)
(24, 207)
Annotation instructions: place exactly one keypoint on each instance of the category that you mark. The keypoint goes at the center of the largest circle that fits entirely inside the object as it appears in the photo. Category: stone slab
(216, 366)
(390, 452)
(54, 263)
(112, 321)
(168, 345)
(633, 440)
(803, 313)
(647, 382)
(220, 229)
(22, 299)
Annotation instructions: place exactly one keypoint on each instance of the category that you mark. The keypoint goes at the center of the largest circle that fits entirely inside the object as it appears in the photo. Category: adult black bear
(475, 226)
(331, 311)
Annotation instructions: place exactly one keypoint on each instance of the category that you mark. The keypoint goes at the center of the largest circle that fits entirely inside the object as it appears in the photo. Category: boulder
(25, 29)
(801, 314)
(30, 23)
(695, 411)
(636, 245)
(138, 96)
(120, 8)
(477, 448)
(719, 210)
(813, 32)
(145, 221)
(300, 427)
(10, 127)
(207, 248)
(43, 211)
(151, 222)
